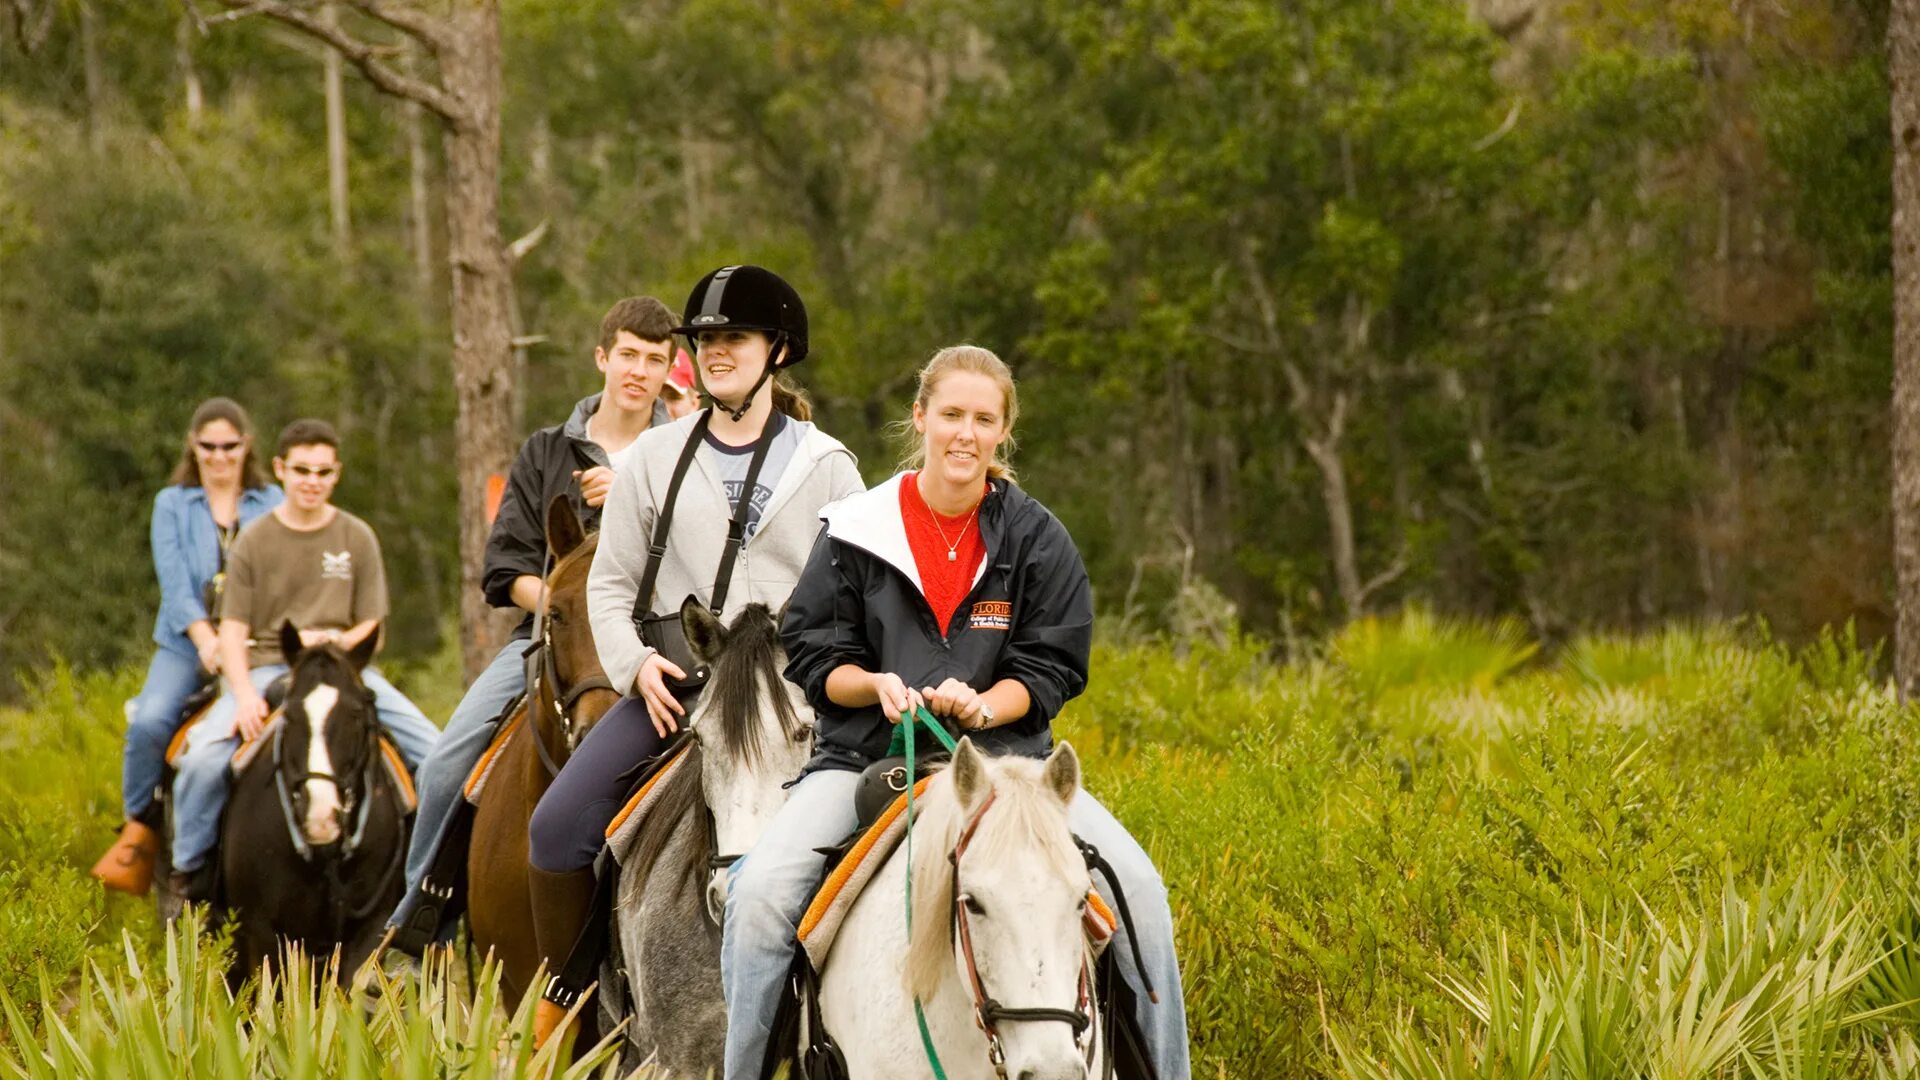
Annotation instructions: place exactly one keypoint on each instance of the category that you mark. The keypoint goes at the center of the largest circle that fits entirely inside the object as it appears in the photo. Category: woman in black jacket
(946, 586)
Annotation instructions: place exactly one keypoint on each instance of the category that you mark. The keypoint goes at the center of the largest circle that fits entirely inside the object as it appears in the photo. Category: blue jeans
(768, 891)
(200, 782)
(444, 775)
(171, 678)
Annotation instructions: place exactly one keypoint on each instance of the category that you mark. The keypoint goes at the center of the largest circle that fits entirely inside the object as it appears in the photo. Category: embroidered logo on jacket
(336, 565)
(992, 615)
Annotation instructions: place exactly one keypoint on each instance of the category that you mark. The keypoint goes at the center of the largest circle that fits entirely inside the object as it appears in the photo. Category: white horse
(752, 732)
(998, 956)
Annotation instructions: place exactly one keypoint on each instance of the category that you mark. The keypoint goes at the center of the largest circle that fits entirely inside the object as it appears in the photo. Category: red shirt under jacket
(945, 581)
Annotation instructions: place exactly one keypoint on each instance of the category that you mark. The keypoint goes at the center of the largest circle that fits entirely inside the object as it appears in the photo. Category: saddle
(476, 782)
(862, 861)
(200, 701)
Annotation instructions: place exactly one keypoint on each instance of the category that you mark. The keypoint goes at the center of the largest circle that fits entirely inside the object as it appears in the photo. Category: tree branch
(30, 26)
(421, 28)
(520, 248)
(360, 54)
(1385, 577)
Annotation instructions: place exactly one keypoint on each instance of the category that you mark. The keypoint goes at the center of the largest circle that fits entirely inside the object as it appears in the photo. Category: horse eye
(803, 736)
(556, 616)
(973, 905)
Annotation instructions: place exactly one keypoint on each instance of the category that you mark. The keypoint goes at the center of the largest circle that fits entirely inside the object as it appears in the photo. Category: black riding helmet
(749, 298)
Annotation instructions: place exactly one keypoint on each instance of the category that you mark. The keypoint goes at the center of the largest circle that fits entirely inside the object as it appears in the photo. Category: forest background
(1577, 310)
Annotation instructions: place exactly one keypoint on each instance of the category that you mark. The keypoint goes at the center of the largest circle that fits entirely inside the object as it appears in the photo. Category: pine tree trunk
(482, 307)
(1903, 42)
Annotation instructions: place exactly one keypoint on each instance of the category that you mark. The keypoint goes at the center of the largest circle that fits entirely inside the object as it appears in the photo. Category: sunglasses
(218, 447)
(324, 473)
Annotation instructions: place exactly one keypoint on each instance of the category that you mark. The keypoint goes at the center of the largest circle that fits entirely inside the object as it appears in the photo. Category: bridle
(544, 691)
(988, 1012)
(356, 805)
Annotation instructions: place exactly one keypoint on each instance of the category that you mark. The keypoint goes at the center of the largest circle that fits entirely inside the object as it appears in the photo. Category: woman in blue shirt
(218, 487)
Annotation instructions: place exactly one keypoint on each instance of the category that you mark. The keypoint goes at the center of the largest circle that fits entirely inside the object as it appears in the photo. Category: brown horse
(567, 697)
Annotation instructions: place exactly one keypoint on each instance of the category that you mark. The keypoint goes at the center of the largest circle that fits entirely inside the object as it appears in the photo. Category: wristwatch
(986, 714)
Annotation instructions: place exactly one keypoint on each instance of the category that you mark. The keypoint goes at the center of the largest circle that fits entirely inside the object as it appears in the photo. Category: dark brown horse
(564, 701)
(316, 829)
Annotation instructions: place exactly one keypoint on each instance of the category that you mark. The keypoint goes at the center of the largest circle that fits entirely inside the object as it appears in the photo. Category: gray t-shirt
(731, 463)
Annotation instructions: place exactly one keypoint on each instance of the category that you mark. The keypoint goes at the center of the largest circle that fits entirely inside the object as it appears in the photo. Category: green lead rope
(903, 743)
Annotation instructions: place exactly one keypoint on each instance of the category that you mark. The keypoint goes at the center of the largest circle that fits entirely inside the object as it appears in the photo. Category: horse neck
(743, 791)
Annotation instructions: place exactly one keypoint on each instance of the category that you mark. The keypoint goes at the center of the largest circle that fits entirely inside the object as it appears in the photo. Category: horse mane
(747, 667)
(679, 799)
(1025, 820)
(324, 664)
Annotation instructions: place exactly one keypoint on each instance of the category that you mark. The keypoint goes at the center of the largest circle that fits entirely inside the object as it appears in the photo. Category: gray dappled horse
(751, 732)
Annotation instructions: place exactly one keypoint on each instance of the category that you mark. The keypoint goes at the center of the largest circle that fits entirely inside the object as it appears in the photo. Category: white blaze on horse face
(322, 824)
(1029, 945)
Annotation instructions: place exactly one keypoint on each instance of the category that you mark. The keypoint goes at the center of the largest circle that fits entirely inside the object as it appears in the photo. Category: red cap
(681, 375)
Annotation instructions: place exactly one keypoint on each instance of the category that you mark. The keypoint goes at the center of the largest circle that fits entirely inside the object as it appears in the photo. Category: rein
(987, 1012)
(358, 803)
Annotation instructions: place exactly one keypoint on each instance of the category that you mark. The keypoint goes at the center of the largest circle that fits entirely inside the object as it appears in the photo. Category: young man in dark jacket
(577, 459)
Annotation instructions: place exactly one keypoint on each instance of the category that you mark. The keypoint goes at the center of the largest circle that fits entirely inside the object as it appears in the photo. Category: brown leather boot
(560, 903)
(128, 865)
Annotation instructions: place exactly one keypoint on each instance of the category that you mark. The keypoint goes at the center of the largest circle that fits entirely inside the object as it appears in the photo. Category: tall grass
(1431, 850)
(135, 1022)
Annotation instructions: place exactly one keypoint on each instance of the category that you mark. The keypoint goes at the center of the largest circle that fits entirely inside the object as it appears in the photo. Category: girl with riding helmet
(746, 324)
(217, 488)
(951, 587)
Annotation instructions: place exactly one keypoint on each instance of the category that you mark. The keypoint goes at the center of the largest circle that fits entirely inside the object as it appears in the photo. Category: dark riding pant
(569, 827)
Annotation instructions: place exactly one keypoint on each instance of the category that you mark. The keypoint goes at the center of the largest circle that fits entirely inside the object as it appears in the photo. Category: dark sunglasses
(325, 473)
(218, 447)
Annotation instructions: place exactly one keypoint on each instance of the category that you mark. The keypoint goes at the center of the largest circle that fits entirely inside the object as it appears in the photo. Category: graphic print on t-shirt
(336, 566)
(732, 462)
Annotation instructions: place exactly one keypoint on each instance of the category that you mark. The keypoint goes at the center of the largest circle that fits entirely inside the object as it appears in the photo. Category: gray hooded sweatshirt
(822, 471)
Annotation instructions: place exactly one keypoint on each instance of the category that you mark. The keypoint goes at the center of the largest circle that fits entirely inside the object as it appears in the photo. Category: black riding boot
(561, 905)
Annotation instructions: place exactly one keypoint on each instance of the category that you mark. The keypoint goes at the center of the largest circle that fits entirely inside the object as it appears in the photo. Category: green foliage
(178, 1017)
(1427, 855)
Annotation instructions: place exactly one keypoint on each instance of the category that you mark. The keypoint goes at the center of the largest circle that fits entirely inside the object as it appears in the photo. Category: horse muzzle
(325, 820)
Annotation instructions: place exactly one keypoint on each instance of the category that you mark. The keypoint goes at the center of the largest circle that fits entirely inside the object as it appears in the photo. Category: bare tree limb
(1494, 136)
(31, 26)
(361, 55)
(421, 27)
(520, 248)
(1385, 577)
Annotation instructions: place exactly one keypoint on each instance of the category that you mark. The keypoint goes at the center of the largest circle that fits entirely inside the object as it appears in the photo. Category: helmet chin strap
(773, 353)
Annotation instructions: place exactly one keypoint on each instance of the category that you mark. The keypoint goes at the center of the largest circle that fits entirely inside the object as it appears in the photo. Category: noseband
(987, 1012)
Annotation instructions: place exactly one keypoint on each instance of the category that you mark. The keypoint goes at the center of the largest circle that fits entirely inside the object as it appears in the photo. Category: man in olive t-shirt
(314, 565)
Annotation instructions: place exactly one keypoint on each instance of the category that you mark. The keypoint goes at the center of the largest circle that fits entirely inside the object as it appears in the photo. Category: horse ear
(362, 654)
(564, 532)
(1062, 774)
(969, 774)
(703, 629)
(289, 642)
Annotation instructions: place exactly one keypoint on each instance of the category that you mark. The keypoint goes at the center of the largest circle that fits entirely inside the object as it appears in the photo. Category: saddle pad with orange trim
(482, 769)
(821, 924)
(178, 744)
(626, 825)
(390, 754)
